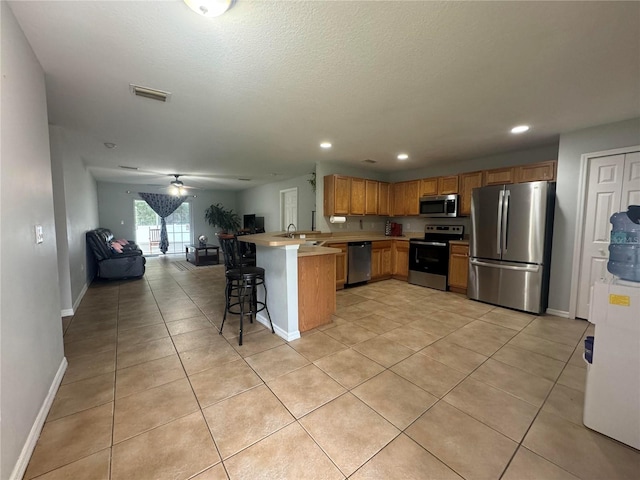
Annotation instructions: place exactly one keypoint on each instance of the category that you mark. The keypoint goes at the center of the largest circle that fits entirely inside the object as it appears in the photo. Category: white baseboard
(34, 434)
(557, 313)
(288, 336)
(67, 312)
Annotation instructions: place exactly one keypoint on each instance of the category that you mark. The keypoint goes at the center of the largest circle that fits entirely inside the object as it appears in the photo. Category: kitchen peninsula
(300, 279)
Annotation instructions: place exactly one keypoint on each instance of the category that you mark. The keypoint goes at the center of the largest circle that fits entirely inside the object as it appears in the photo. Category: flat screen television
(253, 224)
(249, 222)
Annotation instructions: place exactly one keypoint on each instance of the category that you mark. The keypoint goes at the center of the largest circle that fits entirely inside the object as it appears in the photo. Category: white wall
(115, 205)
(264, 201)
(572, 146)
(30, 327)
(76, 209)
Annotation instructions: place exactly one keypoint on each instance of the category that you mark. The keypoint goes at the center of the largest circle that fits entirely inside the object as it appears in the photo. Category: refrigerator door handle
(517, 268)
(505, 220)
(499, 227)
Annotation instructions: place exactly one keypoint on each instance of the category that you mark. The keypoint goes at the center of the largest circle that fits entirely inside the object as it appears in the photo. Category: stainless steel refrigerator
(510, 245)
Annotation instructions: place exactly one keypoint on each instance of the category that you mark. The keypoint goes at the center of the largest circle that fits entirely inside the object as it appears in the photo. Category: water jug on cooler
(624, 248)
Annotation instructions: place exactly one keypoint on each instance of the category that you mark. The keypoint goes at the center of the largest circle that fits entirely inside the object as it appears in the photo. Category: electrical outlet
(408, 227)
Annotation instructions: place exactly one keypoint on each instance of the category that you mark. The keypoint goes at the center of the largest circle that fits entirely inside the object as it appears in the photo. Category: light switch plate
(39, 234)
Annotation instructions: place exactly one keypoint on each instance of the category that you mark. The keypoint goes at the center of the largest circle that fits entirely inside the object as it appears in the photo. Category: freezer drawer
(519, 286)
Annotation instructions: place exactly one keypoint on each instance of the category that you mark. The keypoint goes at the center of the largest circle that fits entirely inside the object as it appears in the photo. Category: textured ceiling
(255, 90)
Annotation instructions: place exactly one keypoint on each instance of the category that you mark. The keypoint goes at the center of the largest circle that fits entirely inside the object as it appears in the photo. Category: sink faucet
(289, 232)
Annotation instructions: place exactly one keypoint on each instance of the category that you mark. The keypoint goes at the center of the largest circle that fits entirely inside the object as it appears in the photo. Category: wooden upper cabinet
(412, 197)
(448, 185)
(398, 199)
(500, 176)
(428, 186)
(384, 198)
(336, 195)
(371, 197)
(357, 191)
(468, 181)
(536, 172)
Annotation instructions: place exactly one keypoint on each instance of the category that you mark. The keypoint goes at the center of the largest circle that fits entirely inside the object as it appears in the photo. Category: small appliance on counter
(393, 229)
(429, 258)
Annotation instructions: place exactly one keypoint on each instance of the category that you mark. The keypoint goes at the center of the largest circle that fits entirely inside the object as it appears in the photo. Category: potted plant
(226, 220)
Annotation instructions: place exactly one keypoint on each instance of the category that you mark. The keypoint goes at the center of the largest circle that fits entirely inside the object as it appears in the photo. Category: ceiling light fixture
(325, 145)
(403, 156)
(520, 129)
(209, 8)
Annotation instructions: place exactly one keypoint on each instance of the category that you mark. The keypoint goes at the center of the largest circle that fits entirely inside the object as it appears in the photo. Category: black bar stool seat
(243, 280)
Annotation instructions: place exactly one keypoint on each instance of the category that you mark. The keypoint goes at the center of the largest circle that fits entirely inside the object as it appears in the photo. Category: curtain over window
(164, 205)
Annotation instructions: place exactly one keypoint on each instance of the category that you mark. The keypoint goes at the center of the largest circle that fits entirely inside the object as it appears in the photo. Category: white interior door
(604, 189)
(631, 182)
(289, 207)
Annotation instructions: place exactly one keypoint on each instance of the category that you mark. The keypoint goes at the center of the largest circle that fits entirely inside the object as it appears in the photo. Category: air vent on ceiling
(245, 179)
(368, 160)
(127, 167)
(151, 93)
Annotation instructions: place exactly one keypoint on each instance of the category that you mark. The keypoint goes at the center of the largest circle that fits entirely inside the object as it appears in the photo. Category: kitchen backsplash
(409, 224)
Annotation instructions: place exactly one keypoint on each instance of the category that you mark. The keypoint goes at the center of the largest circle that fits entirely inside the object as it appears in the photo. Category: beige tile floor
(407, 382)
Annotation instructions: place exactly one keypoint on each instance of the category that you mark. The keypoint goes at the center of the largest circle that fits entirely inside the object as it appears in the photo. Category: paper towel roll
(334, 219)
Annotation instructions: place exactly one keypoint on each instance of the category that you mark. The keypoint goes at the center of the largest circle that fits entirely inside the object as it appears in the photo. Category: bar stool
(243, 280)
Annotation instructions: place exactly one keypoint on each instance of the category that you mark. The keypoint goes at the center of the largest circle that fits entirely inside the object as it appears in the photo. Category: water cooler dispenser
(612, 394)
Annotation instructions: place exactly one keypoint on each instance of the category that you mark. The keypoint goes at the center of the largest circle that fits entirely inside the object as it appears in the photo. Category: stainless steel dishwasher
(359, 258)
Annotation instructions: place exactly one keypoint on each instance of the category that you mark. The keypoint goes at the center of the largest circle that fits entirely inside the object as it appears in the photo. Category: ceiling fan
(177, 186)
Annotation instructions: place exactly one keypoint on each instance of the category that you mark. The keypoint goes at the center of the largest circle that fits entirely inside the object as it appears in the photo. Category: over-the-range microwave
(439, 206)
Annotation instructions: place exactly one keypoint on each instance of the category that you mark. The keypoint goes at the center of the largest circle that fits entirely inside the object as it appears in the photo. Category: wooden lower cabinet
(341, 265)
(458, 268)
(400, 259)
(316, 291)
(380, 260)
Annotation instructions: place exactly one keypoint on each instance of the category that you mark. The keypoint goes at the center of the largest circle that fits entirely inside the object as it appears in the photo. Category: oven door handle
(429, 244)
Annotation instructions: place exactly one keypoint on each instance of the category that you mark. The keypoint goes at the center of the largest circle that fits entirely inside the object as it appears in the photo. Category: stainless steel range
(429, 258)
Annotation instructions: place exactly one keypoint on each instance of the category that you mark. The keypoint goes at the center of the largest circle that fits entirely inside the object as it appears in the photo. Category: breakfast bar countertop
(280, 239)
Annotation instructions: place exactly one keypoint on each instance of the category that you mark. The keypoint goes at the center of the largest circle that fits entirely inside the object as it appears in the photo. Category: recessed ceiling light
(520, 129)
(209, 8)
(403, 156)
(110, 145)
(325, 145)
